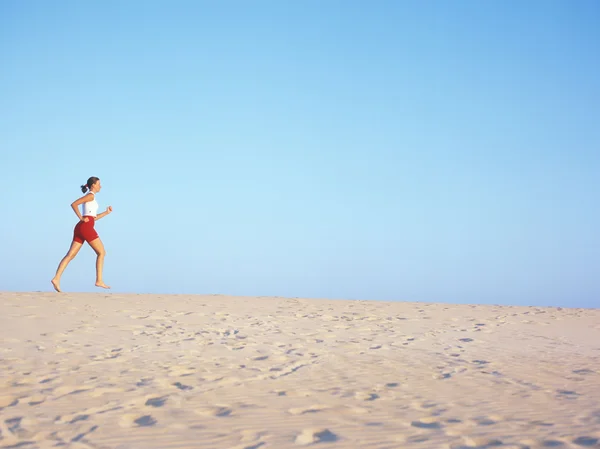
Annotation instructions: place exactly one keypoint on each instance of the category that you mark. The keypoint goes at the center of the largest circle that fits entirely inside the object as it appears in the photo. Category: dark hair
(90, 182)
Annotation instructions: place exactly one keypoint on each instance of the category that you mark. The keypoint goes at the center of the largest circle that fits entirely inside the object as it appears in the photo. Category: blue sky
(392, 150)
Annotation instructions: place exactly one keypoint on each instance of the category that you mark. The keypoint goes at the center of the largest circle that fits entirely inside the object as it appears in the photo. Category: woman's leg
(98, 247)
(73, 250)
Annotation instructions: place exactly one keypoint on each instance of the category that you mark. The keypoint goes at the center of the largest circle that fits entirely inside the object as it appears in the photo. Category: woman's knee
(71, 255)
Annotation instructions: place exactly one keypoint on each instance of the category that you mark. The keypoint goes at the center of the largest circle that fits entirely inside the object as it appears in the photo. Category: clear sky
(391, 150)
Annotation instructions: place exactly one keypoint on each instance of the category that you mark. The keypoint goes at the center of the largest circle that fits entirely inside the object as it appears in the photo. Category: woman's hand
(85, 219)
(108, 210)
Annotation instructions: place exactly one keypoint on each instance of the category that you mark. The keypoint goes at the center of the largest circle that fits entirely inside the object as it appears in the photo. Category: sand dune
(175, 371)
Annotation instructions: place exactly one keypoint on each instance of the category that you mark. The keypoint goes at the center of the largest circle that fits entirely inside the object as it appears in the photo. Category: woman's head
(91, 182)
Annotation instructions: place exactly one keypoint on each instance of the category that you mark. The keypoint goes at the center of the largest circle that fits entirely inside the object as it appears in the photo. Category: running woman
(84, 231)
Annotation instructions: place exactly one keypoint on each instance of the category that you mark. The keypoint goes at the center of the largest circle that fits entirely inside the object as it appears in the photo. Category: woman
(84, 231)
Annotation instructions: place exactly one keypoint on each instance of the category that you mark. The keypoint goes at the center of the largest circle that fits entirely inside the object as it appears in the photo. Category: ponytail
(90, 182)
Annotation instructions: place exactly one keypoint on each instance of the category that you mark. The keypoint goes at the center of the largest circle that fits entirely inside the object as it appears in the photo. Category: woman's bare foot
(56, 285)
(101, 284)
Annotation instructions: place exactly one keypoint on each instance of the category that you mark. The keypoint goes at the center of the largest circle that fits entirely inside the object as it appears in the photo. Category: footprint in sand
(181, 371)
(78, 418)
(483, 421)
(130, 420)
(583, 371)
(423, 405)
(14, 425)
(310, 436)
(156, 402)
(217, 411)
(182, 387)
(311, 409)
(567, 394)
(479, 443)
(143, 382)
(586, 441)
(552, 443)
(251, 440)
(408, 340)
(145, 421)
(251, 446)
(426, 423)
(8, 401)
(35, 399)
(66, 390)
(82, 435)
(480, 362)
(366, 396)
(448, 373)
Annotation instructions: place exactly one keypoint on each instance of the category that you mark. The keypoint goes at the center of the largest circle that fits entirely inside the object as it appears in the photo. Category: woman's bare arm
(75, 204)
(105, 213)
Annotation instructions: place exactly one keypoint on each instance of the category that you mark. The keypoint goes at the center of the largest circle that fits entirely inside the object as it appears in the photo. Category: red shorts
(84, 231)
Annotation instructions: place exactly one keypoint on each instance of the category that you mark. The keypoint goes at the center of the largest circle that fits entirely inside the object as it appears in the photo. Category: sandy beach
(82, 370)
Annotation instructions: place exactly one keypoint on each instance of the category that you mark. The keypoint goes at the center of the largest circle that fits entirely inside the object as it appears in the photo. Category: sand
(176, 371)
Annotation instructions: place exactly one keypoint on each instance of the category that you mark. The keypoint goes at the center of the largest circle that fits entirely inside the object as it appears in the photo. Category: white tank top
(91, 207)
